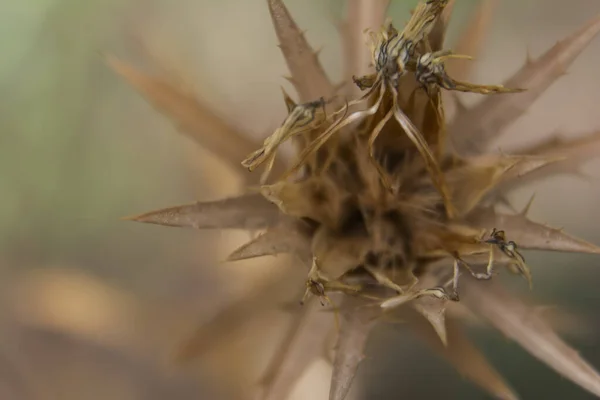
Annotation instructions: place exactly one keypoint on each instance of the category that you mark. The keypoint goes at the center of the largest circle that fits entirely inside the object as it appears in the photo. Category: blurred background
(92, 307)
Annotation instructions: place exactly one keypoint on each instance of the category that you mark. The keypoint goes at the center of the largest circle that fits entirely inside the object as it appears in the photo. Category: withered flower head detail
(387, 202)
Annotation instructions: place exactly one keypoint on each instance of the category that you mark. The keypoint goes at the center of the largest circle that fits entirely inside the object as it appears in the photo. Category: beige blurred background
(92, 307)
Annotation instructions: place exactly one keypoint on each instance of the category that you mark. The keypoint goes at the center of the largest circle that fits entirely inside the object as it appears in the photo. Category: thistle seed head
(388, 201)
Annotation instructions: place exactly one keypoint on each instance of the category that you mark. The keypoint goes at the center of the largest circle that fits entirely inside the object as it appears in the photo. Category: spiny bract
(384, 201)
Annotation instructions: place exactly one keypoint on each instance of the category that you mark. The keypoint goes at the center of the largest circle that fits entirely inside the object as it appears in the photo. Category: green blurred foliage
(68, 169)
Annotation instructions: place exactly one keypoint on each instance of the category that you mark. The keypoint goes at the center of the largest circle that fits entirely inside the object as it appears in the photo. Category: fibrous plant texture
(387, 203)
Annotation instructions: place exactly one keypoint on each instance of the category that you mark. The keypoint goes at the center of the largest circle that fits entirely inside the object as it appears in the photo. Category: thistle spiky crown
(379, 171)
(386, 201)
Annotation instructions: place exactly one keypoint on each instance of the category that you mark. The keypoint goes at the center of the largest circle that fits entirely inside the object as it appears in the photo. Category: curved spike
(191, 117)
(308, 75)
(527, 207)
(245, 212)
(465, 357)
(523, 325)
(354, 332)
(434, 311)
(471, 40)
(276, 240)
(474, 129)
(530, 235)
(289, 103)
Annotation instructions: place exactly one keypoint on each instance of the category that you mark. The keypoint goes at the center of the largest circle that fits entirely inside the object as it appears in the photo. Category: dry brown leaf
(276, 240)
(519, 323)
(308, 76)
(472, 130)
(471, 40)
(530, 235)
(303, 344)
(354, 332)
(465, 357)
(361, 15)
(251, 211)
(191, 117)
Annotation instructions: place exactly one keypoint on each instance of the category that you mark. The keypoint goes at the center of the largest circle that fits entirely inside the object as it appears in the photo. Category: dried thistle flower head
(378, 206)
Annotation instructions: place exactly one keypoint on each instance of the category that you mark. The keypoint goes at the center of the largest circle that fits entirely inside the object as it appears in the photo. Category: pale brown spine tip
(131, 218)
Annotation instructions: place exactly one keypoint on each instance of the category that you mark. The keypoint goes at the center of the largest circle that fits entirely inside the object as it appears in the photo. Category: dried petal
(280, 239)
(308, 76)
(422, 146)
(521, 324)
(361, 15)
(465, 357)
(530, 235)
(249, 211)
(354, 332)
(303, 344)
(472, 130)
(191, 117)
(471, 40)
